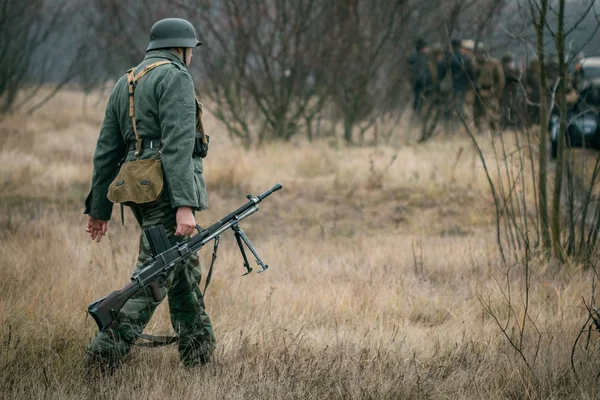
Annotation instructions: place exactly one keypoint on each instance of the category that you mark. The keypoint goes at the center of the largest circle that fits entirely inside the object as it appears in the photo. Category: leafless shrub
(262, 65)
(27, 30)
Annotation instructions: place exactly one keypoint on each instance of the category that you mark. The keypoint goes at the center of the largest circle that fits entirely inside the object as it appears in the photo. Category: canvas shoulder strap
(132, 80)
(199, 125)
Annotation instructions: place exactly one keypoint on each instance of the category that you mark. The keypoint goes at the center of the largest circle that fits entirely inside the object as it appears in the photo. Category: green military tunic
(165, 110)
(490, 83)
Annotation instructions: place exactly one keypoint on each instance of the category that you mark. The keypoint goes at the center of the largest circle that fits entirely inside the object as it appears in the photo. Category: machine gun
(166, 258)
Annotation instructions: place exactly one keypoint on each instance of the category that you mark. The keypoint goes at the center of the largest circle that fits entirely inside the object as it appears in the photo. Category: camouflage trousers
(486, 108)
(186, 304)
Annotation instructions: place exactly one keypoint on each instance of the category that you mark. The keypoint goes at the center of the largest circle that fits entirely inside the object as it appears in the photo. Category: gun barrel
(237, 213)
(222, 228)
(275, 188)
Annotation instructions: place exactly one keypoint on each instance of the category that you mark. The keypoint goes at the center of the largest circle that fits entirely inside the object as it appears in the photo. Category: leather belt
(146, 144)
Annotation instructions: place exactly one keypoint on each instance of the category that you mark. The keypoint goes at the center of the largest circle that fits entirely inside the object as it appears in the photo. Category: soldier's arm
(110, 150)
(441, 69)
(177, 116)
(474, 70)
(468, 66)
(501, 80)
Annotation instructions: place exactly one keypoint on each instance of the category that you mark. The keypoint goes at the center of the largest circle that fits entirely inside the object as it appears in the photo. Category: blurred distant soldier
(489, 86)
(578, 70)
(455, 74)
(431, 81)
(511, 104)
(419, 71)
(167, 116)
(552, 74)
(572, 95)
(468, 50)
(433, 100)
(554, 84)
(436, 56)
(531, 81)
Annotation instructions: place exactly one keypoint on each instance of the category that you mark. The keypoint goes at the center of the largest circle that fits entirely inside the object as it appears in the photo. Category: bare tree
(26, 29)
(116, 34)
(538, 14)
(562, 85)
(262, 64)
(358, 43)
(562, 96)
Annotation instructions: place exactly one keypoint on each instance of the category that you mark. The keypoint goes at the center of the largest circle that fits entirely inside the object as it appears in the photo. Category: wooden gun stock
(105, 310)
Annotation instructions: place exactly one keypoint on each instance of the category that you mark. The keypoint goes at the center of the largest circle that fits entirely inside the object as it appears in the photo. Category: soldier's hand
(186, 223)
(96, 228)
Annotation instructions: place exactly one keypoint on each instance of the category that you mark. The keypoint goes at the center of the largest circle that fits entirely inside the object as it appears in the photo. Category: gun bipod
(240, 237)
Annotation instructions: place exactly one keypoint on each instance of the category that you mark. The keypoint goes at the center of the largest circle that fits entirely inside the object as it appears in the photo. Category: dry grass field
(380, 268)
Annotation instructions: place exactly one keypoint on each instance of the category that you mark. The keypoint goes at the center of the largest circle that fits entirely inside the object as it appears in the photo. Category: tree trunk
(562, 100)
(348, 129)
(543, 153)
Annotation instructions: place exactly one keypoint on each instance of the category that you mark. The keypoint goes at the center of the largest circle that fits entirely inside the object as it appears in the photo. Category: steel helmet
(468, 44)
(507, 57)
(172, 32)
(481, 48)
(437, 48)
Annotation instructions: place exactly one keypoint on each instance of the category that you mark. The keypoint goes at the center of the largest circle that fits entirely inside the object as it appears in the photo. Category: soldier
(436, 56)
(455, 74)
(578, 71)
(511, 99)
(419, 69)
(552, 74)
(554, 83)
(531, 82)
(433, 100)
(468, 49)
(489, 87)
(166, 111)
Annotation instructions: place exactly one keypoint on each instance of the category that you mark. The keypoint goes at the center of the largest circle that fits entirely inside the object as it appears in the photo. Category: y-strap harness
(132, 81)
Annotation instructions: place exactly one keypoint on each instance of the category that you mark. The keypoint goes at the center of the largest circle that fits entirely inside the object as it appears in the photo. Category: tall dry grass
(380, 258)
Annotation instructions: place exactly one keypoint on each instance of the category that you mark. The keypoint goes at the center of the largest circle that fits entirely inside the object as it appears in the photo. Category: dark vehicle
(583, 119)
(582, 130)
